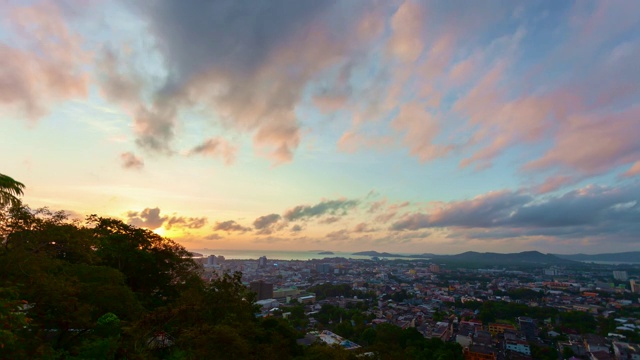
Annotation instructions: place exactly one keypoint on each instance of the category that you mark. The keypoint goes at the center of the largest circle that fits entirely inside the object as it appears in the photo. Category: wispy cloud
(333, 207)
(131, 161)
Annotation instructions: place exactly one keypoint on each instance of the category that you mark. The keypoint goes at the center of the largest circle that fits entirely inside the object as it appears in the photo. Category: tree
(12, 322)
(157, 269)
(10, 190)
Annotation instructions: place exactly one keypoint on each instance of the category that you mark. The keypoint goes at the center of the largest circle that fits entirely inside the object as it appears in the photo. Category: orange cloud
(634, 170)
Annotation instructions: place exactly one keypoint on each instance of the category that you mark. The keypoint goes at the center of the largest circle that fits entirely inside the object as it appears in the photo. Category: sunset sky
(400, 126)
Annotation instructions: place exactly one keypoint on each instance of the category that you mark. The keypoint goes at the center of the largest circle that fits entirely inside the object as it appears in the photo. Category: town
(581, 311)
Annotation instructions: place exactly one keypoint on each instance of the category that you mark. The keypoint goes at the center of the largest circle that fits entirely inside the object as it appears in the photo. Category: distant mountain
(630, 256)
(522, 258)
(472, 257)
(375, 253)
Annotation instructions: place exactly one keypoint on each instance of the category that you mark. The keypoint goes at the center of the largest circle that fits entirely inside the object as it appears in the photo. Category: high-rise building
(264, 290)
(262, 262)
(620, 275)
(635, 286)
(324, 268)
(212, 260)
(434, 268)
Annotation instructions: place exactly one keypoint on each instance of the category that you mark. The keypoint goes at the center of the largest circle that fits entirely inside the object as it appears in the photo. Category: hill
(521, 258)
(378, 254)
(472, 257)
(630, 256)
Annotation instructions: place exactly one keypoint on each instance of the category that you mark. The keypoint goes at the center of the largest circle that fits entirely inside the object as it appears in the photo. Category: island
(378, 254)
(325, 253)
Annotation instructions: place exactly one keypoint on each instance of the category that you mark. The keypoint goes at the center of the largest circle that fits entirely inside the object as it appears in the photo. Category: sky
(399, 126)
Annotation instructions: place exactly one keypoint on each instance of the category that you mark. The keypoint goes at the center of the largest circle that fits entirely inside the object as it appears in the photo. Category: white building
(620, 275)
(519, 346)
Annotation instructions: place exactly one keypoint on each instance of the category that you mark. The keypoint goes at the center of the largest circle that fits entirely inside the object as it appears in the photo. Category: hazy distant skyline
(399, 126)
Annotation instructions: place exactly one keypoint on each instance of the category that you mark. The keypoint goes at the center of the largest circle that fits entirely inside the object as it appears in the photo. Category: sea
(285, 255)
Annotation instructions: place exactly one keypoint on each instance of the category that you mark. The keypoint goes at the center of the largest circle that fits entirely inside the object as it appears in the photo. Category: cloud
(185, 222)
(267, 224)
(249, 70)
(332, 207)
(131, 161)
(46, 66)
(376, 206)
(154, 126)
(213, 237)
(504, 103)
(118, 81)
(216, 147)
(230, 226)
(554, 183)
(338, 235)
(329, 220)
(633, 170)
(351, 141)
(589, 212)
(362, 227)
(148, 218)
(482, 211)
(266, 221)
(296, 228)
(611, 143)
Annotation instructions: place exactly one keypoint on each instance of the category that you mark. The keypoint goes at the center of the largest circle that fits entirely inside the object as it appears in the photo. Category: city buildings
(264, 290)
(620, 275)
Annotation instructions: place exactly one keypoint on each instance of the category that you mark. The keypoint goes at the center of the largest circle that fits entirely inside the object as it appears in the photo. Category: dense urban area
(525, 311)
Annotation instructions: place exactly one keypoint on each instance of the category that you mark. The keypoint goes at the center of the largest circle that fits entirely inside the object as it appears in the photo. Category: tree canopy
(10, 191)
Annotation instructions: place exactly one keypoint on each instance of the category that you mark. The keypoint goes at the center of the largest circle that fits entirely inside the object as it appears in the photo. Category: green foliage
(544, 353)
(583, 322)
(325, 352)
(155, 268)
(392, 342)
(491, 311)
(10, 190)
(324, 291)
(12, 323)
(567, 352)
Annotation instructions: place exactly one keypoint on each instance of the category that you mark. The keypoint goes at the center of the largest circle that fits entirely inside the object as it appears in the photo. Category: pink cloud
(554, 183)
(407, 26)
(216, 147)
(420, 128)
(351, 141)
(329, 103)
(47, 66)
(633, 170)
(593, 144)
(131, 161)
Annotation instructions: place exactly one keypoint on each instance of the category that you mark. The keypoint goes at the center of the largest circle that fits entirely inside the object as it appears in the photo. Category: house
(518, 346)
(479, 352)
(626, 350)
(595, 343)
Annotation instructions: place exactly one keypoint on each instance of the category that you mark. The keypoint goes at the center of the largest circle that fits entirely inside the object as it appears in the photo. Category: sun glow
(160, 231)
